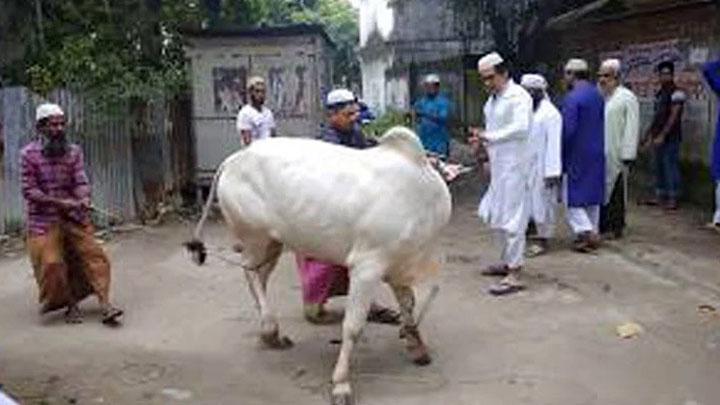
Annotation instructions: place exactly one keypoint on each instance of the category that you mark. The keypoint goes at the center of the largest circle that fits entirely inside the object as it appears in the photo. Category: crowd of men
(538, 157)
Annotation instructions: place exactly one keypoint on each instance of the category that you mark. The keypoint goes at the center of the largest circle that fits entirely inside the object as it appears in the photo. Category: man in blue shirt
(431, 114)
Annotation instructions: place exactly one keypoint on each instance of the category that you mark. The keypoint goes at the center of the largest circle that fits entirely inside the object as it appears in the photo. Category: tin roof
(262, 31)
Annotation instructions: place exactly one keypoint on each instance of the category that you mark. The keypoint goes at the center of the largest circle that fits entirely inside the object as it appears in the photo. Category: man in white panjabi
(255, 121)
(622, 135)
(546, 164)
(508, 116)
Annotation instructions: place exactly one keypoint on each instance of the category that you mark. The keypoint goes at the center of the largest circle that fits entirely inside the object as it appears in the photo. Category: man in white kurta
(545, 161)
(508, 115)
(622, 134)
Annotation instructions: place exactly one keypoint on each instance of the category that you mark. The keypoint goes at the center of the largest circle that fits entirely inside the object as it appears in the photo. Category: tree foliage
(518, 27)
(133, 49)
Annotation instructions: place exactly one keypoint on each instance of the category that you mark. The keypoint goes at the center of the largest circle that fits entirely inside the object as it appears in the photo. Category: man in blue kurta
(431, 113)
(711, 70)
(583, 154)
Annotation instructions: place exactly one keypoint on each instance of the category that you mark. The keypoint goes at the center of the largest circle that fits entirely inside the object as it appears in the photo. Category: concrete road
(190, 334)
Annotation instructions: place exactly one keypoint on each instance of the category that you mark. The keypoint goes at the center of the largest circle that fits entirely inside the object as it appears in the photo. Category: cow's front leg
(409, 331)
(364, 280)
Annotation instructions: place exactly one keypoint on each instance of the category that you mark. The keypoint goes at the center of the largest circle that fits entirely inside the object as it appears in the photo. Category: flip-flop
(535, 251)
(496, 271)
(110, 317)
(384, 316)
(501, 289)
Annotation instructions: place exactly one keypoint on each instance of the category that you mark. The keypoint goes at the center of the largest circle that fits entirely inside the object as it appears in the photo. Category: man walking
(665, 135)
(546, 166)
(68, 263)
(255, 121)
(508, 114)
(622, 134)
(583, 154)
(711, 70)
(431, 113)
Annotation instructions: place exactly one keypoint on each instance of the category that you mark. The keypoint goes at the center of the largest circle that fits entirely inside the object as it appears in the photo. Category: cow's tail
(196, 246)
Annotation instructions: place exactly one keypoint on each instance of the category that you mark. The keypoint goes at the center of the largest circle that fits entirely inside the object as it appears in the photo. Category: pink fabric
(320, 280)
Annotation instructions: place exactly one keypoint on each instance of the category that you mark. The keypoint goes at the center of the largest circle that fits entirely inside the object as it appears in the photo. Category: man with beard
(255, 121)
(68, 263)
(622, 132)
(545, 175)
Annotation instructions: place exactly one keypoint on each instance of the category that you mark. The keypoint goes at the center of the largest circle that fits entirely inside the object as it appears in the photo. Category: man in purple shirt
(68, 263)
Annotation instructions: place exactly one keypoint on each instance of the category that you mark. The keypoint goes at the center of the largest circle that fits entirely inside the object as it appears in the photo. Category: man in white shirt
(508, 116)
(255, 121)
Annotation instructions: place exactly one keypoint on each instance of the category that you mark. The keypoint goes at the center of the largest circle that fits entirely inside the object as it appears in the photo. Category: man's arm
(244, 126)
(711, 71)
(519, 125)
(631, 134)
(675, 109)
(81, 189)
(30, 189)
(553, 145)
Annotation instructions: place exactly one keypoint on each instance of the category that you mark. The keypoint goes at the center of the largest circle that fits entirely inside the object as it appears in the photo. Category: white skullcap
(47, 110)
(340, 96)
(577, 65)
(490, 61)
(534, 81)
(432, 79)
(254, 81)
(613, 64)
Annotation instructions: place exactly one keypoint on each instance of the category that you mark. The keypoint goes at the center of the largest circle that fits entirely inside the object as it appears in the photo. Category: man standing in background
(622, 134)
(431, 113)
(255, 121)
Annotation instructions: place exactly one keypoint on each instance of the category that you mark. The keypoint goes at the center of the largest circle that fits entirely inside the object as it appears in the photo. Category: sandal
(384, 316)
(535, 250)
(505, 288)
(111, 316)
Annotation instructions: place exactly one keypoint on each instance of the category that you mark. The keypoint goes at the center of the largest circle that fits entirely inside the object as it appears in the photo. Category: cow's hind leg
(364, 280)
(259, 261)
(409, 331)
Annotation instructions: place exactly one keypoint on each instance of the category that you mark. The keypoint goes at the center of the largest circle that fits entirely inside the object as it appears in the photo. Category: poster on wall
(229, 89)
(640, 62)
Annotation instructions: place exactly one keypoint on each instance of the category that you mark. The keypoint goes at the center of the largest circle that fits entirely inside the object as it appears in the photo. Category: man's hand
(68, 204)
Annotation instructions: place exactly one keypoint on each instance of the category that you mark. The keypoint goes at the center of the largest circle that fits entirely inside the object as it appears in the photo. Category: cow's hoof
(420, 355)
(342, 395)
(276, 342)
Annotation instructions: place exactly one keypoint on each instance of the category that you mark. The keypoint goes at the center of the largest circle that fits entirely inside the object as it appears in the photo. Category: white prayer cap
(254, 81)
(613, 64)
(490, 61)
(46, 110)
(432, 79)
(340, 96)
(534, 81)
(577, 65)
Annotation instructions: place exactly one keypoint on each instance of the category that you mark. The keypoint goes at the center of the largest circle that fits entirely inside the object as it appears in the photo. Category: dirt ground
(190, 334)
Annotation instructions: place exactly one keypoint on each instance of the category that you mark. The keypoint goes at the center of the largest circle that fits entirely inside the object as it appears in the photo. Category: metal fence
(130, 159)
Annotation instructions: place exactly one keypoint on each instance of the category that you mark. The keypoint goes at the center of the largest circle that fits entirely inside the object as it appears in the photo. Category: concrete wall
(297, 71)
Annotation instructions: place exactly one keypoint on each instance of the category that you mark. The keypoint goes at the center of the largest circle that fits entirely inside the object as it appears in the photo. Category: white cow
(377, 211)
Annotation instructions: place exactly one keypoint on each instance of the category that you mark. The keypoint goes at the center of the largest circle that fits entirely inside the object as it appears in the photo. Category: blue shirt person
(711, 70)
(431, 114)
